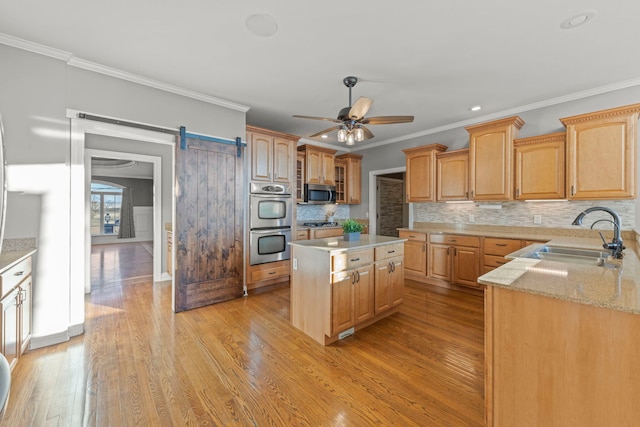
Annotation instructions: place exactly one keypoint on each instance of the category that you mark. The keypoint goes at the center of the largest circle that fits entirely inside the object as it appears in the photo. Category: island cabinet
(319, 164)
(452, 170)
(491, 159)
(348, 178)
(339, 287)
(16, 304)
(602, 154)
(415, 253)
(540, 167)
(389, 280)
(494, 251)
(553, 362)
(454, 258)
(421, 172)
(272, 155)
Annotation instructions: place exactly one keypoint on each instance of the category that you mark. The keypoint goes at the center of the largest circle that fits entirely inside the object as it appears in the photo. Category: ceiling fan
(351, 119)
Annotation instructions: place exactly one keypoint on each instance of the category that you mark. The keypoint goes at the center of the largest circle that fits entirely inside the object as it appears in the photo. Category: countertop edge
(10, 258)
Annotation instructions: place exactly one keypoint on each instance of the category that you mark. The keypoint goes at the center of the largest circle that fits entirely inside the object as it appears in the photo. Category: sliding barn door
(208, 224)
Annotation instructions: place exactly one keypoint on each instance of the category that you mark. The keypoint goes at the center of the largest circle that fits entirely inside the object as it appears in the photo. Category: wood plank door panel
(208, 235)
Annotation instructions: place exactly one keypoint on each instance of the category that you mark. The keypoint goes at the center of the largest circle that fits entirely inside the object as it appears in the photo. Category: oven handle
(272, 231)
(271, 196)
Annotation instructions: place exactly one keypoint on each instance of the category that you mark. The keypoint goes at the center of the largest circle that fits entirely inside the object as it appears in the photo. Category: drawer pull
(501, 244)
(19, 273)
(354, 259)
(272, 272)
(390, 252)
(412, 236)
(452, 240)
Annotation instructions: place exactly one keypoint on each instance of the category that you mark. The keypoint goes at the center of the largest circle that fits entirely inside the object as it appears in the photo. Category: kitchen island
(562, 340)
(339, 287)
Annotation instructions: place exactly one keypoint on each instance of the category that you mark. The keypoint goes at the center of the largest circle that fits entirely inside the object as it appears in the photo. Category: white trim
(74, 61)
(47, 340)
(80, 239)
(372, 197)
(34, 47)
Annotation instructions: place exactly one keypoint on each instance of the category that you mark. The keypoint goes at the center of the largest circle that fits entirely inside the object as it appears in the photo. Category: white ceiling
(431, 59)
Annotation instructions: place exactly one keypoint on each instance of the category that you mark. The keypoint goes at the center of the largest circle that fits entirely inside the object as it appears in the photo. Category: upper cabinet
(601, 154)
(540, 167)
(272, 155)
(491, 159)
(300, 177)
(421, 172)
(452, 170)
(319, 164)
(348, 178)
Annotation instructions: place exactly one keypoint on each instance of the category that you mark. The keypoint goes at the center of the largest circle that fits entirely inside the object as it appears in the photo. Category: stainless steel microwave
(319, 194)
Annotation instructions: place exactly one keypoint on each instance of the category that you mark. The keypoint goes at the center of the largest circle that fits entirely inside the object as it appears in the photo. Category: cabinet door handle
(19, 273)
(389, 267)
(455, 251)
(472, 194)
(358, 273)
(501, 244)
(517, 192)
(393, 267)
(353, 277)
(466, 194)
(572, 192)
(447, 251)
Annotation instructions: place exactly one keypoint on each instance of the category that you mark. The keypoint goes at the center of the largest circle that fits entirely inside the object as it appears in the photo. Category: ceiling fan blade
(387, 120)
(317, 118)
(324, 131)
(360, 108)
(367, 133)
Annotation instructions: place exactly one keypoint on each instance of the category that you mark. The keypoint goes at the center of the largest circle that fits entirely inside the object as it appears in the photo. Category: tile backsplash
(322, 212)
(551, 214)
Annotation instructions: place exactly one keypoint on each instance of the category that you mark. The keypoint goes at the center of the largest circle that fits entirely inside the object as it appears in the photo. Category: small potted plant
(352, 229)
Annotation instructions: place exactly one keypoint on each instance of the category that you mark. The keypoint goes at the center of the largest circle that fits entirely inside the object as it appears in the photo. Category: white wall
(35, 92)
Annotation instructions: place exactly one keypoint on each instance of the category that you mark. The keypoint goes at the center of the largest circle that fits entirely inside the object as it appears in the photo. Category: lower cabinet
(321, 233)
(454, 258)
(365, 285)
(267, 274)
(494, 250)
(351, 298)
(415, 252)
(16, 287)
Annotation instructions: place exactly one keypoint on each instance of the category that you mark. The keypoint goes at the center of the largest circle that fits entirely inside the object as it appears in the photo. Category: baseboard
(57, 338)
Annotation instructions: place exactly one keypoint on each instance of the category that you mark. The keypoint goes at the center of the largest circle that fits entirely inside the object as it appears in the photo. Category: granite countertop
(612, 288)
(10, 258)
(338, 244)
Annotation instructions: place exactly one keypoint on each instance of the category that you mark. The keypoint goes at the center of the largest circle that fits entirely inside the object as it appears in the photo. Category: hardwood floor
(241, 363)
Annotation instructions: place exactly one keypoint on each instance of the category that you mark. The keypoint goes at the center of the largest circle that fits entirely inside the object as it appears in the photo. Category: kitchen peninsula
(339, 287)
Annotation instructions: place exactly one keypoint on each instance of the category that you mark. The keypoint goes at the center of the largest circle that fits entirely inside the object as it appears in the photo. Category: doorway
(379, 215)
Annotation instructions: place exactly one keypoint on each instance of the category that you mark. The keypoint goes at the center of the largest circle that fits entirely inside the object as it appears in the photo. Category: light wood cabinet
(335, 293)
(300, 177)
(267, 274)
(491, 159)
(494, 250)
(272, 155)
(321, 233)
(415, 252)
(452, 170)
(302, 234)
(540, 167)
(602, 154)
(348, 178)
(421, 172)
(454, 258)
(319, 164)
(16, 305)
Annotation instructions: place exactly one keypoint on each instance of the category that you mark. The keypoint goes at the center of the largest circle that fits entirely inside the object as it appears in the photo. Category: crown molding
(74, 61)
(34, 47)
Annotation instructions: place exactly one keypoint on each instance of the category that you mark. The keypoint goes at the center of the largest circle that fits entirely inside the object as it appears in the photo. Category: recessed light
(577, 20)
(476, 108)
(262, 25)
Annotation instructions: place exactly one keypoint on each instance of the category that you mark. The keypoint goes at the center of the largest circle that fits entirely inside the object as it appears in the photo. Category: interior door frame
(373, 202)
(80, 235)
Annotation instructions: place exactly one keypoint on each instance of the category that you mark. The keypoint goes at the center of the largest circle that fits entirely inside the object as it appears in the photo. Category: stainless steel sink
(570, 255)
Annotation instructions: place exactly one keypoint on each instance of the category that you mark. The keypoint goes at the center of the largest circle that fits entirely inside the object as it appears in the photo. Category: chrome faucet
(615, 246)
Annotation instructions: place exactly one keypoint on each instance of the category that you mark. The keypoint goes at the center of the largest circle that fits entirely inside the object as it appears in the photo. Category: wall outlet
(295, 263)
(366, 214)
(472, 218)
(537, 219)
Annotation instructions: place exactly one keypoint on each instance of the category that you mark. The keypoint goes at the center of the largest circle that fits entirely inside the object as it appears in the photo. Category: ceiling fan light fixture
(342, 135)
(359, 134)
(351, 139)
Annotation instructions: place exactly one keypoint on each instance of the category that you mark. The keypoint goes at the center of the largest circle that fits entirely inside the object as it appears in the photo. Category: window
(105, 209)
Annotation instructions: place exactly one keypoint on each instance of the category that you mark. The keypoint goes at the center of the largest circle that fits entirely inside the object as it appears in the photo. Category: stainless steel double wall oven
(270, 220)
